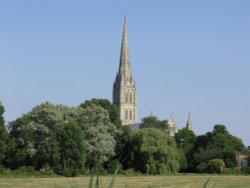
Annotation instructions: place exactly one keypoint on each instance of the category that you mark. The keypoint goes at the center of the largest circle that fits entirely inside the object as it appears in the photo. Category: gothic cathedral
(124, 88)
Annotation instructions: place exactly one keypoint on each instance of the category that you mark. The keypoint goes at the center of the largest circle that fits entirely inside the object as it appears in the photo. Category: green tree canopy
(112, 109)
(154, 152)
(3, 135)
(99, 134)
(185, 140)
(153, 122)
(37, 138)
(219, 144)
(220, 129)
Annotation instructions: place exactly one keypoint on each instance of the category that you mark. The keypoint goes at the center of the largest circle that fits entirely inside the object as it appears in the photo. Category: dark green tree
(153, 122)
(219, 144)
(185, 140)
(38, 139)
(3, 135)
(72, 150)
(220, 129)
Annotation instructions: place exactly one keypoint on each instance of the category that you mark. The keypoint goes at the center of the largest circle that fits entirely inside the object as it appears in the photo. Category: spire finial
(125, 24)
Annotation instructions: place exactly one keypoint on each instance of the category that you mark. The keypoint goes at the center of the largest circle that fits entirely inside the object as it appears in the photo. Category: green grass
(173, 181)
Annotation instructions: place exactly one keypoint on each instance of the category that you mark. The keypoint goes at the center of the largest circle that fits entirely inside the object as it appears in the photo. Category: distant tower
(124, 88)
(189, 125)
(172, 129)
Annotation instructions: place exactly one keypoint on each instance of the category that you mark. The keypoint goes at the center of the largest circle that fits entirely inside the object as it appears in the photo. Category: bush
(231, 171)
(113, 165)
(202, 168)
(216, 165)
(25, 171)
(129, 172)
(5, 172)
(246, 170)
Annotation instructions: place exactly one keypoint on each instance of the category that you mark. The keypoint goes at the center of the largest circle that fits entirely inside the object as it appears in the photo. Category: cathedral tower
(124, 88)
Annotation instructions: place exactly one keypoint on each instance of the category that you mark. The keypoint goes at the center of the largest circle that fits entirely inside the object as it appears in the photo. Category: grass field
(186, 181)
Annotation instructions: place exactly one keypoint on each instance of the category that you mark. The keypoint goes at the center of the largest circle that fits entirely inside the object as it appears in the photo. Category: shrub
(113, 165)
(246, 170)
(202, 168)
(216, 165)
(5, 172)
(231, 171)
(25, 171)
(129, 172)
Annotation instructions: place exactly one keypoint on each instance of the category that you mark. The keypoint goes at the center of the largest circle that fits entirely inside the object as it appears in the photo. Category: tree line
(76, 140)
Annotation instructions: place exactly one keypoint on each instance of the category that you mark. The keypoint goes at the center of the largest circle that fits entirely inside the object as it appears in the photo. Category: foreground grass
(179, 181)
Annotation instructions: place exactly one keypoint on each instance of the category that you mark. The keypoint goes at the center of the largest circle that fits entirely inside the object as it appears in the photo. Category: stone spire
(124, 88)
(189, 125)
(124, 67)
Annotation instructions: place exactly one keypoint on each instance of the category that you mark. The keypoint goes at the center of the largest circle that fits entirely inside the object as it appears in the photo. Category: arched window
(126, 97)
(126, 114)
(131, 98)
(130, 114)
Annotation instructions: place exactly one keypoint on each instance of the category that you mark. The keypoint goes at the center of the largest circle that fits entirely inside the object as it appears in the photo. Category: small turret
(189, 125)
(172, 129)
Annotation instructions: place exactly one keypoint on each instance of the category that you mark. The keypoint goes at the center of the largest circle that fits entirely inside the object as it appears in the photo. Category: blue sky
(187, 56)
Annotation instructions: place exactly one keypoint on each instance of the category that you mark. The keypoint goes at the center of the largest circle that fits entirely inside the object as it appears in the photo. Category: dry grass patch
(171, 181)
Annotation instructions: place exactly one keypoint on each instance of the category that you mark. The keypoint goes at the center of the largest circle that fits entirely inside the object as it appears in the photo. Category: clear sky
(187, 56)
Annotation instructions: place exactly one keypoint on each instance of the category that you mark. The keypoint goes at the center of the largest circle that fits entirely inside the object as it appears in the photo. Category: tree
(122, 150)
(216, 165)
(3, 135)
(202, 141)
(152, 122)
(219, 144)
(112, 109)
(220, 129)
(39, 138)
(72, 150)
(99, 134)
(123, 140)
(185, 140)
(154, 152)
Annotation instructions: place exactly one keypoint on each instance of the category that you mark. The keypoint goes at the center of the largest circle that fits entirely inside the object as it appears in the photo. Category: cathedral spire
(124, 67)
(124, 88)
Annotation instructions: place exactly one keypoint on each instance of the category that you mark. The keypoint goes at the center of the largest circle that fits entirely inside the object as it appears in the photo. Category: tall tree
(72, 150)
(3, 135)
(185, 140)
(154, 152)
(99, 134)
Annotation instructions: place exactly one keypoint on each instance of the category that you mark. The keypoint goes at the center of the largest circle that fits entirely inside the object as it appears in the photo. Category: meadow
(173, 181)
